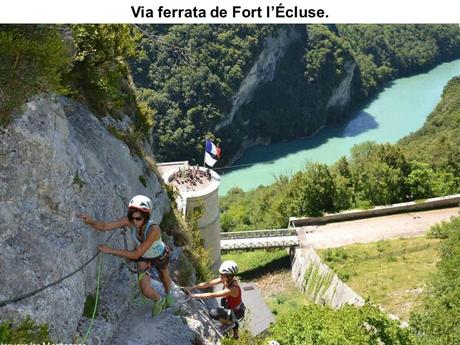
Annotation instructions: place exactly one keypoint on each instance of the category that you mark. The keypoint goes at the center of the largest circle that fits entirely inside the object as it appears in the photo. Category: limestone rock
(57, 160)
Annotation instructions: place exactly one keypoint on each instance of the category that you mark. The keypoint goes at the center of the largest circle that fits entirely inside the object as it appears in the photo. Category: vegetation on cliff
(87, 62)
(24, 332)
(33, 59)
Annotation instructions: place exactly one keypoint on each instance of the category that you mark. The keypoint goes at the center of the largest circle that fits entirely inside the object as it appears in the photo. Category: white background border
(119, 11)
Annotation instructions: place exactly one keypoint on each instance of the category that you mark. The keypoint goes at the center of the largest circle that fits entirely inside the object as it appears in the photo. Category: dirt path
(374, 229)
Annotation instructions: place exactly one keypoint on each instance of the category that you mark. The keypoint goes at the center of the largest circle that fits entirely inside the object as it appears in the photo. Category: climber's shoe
(170, 300)
(226, 327)
(158, 306)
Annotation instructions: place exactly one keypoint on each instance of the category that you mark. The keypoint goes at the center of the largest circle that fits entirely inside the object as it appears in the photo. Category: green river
(398, 110)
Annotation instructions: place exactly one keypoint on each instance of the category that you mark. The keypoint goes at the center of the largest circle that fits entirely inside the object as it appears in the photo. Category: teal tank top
(157, 247)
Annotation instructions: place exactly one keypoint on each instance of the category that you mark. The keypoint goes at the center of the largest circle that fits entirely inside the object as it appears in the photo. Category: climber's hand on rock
(84, 217)
(186, 289)
(104, 249)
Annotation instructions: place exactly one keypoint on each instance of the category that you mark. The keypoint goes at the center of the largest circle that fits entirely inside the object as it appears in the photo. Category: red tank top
(233, 302)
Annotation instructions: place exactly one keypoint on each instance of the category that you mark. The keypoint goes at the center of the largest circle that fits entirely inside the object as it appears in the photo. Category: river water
(398, 110)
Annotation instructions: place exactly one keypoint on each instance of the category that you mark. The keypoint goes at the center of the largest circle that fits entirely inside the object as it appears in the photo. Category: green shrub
(245, 339)
(33, 59)
(26, 332)
(337, 255)
(90, 304)
(318, 325)
(100, 71)
(442, 230)
(187, 234)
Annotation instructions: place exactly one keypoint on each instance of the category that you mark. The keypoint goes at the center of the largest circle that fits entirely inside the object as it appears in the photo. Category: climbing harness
(129, 263)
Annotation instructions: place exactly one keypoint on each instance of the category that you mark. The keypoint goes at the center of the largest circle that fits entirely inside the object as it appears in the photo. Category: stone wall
(319, 282)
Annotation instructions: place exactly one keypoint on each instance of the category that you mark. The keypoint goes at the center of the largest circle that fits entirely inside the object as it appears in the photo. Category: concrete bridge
(274, 238)
(357, 226)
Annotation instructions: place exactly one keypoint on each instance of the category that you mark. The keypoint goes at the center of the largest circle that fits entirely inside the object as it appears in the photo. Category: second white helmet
(141, 202)
(228, 267)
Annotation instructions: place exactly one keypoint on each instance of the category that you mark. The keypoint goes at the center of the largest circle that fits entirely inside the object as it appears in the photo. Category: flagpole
(204, 157)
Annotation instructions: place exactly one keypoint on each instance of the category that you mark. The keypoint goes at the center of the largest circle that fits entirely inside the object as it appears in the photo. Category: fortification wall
(319, 282)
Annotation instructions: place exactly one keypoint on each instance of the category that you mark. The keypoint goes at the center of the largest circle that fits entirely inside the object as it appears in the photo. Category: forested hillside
(438, 141)
(189, 77)
(424, 164)
(201, 80)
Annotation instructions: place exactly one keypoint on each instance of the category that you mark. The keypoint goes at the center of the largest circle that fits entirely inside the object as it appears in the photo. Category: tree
(379, 173)
(100, 68)
(420, 180)
(309, 193)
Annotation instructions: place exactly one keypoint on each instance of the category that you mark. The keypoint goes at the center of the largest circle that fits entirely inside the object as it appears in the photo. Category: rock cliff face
(341, 95)
(57, 160)
(263, 95)
(262, 71)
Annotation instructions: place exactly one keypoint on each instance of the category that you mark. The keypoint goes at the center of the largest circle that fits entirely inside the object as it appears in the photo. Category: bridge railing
(257, 234)
(292, 242)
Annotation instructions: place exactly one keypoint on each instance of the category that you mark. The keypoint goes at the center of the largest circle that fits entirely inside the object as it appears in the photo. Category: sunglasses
(138, 219)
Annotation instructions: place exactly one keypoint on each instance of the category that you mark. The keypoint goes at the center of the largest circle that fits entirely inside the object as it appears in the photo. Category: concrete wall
(428, 204)
(209, 222)
(320, 282)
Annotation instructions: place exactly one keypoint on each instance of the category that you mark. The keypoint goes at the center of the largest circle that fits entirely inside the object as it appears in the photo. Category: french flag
(211, 153)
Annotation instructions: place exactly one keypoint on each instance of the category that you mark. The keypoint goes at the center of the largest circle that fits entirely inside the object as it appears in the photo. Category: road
(374, 229)
(354, 231)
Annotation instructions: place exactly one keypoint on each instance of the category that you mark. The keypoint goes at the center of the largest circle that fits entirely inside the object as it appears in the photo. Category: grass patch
(390, 273)
(90, 304)
(288, 301)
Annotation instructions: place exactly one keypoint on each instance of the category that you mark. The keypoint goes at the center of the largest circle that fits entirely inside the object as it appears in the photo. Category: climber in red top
(234, 308)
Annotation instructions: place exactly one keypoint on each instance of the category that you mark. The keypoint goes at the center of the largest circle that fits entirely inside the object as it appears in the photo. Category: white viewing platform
(197, 187)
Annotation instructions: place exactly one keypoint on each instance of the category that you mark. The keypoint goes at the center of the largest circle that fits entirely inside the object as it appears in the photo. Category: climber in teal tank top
(149, 250)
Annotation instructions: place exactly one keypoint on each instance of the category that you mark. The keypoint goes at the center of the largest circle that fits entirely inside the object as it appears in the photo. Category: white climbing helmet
(273, 342)
(228, 267)
(141, 203)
